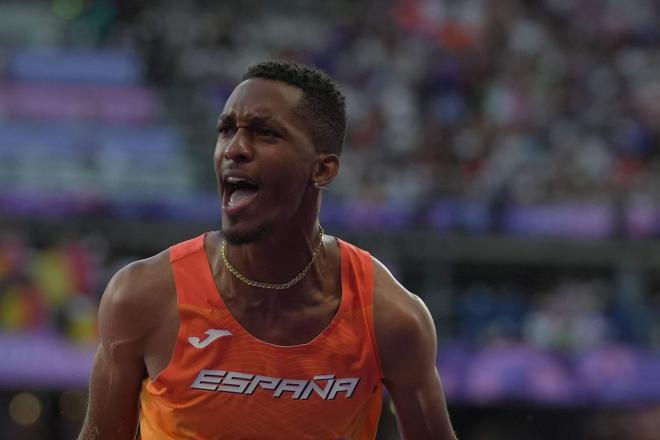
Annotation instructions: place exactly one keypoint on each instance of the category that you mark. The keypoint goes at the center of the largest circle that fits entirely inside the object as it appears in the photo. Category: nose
(239, 148)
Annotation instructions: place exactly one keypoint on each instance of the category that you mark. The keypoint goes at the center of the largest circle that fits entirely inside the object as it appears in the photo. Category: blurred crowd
(474, 109)
(554, 341)
(55, 290)
(52, 290)
(517, 102)
(570, 315)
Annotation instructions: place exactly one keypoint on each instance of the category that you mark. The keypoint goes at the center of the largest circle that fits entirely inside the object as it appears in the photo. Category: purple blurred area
(603, 377)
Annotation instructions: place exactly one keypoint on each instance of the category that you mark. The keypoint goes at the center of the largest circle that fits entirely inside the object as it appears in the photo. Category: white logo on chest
(212, 333)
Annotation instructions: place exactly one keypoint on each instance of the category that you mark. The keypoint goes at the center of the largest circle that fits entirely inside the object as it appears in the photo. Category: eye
(226, 129)
(264, 131)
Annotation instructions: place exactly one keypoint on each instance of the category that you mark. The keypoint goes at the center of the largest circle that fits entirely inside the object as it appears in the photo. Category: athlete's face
(264, 158)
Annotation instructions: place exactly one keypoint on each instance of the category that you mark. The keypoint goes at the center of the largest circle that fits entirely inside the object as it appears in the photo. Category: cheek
(283, 174)
(293, 182)
(217, 156)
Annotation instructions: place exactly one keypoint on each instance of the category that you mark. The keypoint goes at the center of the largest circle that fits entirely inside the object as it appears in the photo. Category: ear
(326, 169)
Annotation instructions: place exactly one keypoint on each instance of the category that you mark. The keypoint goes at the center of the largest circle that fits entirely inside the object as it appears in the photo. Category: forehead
(262, 97)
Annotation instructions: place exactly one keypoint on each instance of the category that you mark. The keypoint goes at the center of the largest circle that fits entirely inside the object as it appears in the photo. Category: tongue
(239, 195)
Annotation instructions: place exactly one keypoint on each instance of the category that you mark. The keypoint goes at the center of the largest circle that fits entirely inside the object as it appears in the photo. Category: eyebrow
(227, 119)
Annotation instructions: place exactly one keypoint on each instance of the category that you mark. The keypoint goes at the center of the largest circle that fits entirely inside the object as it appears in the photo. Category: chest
(287, 326)
(245, 382)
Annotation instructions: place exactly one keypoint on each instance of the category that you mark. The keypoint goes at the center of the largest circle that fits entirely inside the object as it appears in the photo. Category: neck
(281, 256)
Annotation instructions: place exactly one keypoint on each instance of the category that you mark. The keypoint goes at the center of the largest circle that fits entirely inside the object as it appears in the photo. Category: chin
(239, 236)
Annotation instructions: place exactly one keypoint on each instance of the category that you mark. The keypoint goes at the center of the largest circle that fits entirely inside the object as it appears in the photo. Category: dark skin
(262, 138)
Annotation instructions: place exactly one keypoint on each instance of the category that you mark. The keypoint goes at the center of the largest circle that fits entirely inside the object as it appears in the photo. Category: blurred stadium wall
(503, 158)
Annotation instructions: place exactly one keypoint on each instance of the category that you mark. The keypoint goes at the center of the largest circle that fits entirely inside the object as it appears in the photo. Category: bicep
(114, 387)
(407, 344)
(118, 367)
(420, 405)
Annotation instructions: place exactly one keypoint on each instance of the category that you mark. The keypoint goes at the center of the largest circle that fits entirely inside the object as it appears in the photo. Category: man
(268, 329)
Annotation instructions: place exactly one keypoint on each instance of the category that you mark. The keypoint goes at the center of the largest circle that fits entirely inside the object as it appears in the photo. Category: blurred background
(503, 159)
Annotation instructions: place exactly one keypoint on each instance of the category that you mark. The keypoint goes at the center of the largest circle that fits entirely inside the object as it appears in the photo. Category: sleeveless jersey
(224, 383)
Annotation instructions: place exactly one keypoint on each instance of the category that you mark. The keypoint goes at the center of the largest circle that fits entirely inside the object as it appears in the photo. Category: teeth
(234, 180)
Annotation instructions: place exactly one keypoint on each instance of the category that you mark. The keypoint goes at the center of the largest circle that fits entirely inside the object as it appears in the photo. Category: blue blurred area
(525, 133)
(93, 66)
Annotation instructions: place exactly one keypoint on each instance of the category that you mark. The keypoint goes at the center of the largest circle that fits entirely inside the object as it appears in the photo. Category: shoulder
(400, 312)
(134, 298)
(402, 322)
(138, 284)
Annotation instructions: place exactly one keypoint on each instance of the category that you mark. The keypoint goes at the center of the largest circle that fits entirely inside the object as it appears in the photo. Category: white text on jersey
(326, 386)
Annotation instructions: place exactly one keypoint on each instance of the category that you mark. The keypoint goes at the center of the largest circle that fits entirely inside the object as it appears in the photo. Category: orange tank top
(224, 383)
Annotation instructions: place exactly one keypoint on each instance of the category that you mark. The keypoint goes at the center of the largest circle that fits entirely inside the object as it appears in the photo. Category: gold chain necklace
(274, 286)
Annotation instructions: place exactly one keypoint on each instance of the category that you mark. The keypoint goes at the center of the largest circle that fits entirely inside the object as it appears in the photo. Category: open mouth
(238, 193)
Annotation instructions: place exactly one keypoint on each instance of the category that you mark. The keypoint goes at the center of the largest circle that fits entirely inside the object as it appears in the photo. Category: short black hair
(323, 106)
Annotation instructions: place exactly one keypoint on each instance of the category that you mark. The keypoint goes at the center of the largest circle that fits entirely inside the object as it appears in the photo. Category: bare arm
(407, 344)
(119, 366)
